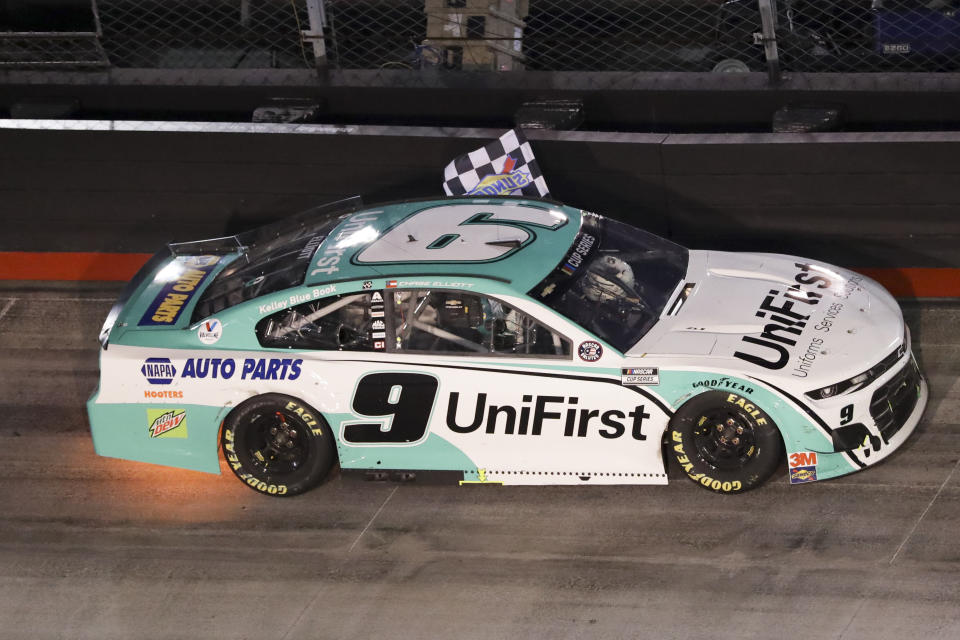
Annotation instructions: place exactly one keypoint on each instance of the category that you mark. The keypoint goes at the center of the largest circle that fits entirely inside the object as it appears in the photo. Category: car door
(475, 384)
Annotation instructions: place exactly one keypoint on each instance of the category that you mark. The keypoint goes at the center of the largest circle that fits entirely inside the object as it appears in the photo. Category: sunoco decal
(167, 423)
(175, 296)
(504, 183)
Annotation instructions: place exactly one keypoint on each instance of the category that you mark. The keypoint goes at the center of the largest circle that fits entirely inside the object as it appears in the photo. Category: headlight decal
(861, 379)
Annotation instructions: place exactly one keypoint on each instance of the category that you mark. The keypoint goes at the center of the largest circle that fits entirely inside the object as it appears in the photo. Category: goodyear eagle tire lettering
(724, 442)
(277, 445)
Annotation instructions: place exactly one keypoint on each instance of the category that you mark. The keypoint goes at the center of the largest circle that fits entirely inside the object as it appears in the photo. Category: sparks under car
(499, 340)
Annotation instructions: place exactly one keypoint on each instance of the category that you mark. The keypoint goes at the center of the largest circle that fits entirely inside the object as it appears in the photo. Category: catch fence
(445, 36)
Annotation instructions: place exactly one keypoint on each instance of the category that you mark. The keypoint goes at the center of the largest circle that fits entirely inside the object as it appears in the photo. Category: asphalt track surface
(99, 548)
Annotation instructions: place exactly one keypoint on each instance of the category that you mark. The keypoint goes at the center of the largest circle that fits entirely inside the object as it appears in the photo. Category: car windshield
(273, 257)
(614, 281)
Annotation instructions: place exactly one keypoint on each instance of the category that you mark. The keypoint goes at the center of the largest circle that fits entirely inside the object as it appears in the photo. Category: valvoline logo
(210, 331)
(158, 370)
(506, 182)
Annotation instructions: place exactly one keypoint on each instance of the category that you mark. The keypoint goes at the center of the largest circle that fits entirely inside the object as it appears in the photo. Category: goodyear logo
(167, 423)
(803, 474)
(158, 370)
(504, 183)
(191, 271)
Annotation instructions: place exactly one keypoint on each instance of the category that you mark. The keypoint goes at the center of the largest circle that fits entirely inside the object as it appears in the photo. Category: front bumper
(896, 404)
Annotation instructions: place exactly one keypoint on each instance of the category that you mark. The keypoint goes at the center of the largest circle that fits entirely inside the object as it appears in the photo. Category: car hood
(777, 316)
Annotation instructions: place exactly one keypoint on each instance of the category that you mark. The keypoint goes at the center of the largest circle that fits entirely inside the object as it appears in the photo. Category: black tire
(724, 442)
(278, 445)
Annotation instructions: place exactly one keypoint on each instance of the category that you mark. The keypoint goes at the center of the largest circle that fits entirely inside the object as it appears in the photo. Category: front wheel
(724, 442)
(277, 445)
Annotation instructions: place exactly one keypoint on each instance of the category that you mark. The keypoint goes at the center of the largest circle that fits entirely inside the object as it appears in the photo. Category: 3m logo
(167, 423)
(803, 459)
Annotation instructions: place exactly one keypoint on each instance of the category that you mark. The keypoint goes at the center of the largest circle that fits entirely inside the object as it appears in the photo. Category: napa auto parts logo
(504, 183)
(158, 370)
(183, 276)
(167, 423)
(162, 371)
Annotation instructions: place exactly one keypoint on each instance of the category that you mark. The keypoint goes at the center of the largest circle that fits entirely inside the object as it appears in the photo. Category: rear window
(274, 257)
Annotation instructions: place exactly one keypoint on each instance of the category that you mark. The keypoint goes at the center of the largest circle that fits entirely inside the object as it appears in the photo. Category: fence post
(768, 21)
(318, 20)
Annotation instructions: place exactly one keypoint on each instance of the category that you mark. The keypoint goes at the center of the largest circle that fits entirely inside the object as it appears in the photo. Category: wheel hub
(725, 440)
(281, 447)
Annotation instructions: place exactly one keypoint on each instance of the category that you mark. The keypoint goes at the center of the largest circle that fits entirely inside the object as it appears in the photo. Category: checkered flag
(504, 167)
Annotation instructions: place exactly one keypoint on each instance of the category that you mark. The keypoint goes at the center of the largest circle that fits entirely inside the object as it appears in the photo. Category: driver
(609, 278)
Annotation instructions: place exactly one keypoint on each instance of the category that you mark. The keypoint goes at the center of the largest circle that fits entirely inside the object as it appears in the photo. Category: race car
(499, 340)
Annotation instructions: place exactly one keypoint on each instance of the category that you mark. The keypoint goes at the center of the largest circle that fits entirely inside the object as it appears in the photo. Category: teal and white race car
(499, 340)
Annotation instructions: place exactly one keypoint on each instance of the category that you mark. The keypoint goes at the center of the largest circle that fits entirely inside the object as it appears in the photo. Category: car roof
(513, 240)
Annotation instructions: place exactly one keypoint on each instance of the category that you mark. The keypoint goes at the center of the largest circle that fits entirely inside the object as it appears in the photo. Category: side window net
(458, 322)
(338, 323)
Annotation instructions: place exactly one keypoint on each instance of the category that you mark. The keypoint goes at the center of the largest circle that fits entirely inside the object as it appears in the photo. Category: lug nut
(736, 441)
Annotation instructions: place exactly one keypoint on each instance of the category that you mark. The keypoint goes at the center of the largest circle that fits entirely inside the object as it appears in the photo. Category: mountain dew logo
(167, 423)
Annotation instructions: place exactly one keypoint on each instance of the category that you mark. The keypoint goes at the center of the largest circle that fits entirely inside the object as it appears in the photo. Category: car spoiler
(211, 246)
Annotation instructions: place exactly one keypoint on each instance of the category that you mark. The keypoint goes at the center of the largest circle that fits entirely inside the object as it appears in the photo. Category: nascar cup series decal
(640, 375)
(183, 278)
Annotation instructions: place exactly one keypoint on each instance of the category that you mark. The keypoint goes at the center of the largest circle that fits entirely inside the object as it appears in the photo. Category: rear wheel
(724, 442)
(278, 445)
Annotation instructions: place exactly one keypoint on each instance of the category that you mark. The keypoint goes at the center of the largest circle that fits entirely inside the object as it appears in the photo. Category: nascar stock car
(499, 340)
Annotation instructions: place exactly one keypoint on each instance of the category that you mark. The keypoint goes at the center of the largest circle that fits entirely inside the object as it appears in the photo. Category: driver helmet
(605, 279)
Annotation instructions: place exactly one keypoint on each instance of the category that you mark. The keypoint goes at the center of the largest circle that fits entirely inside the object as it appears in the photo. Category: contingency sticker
(640, 375)
(167, 423)
(803, 467)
